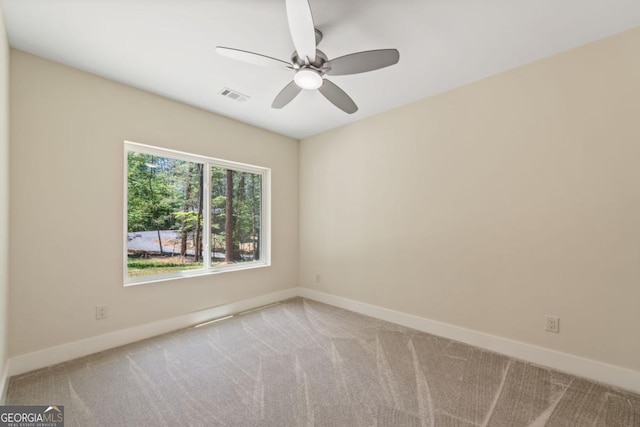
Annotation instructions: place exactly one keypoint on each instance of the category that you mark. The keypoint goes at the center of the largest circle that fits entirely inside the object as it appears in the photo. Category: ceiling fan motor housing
(298, 62)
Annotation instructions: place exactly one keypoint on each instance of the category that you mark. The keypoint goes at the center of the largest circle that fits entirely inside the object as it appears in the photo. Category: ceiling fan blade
(286, 95)
(362, 62)
(252, 58)
(303, 32)
(338, 97)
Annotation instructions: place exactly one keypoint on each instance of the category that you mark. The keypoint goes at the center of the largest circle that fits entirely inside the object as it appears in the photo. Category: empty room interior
(319, 212)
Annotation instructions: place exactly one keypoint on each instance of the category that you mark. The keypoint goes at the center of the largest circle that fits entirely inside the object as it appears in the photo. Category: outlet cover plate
(552, 324)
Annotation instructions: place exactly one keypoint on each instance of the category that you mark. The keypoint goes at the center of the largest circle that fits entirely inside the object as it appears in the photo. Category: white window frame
(209, 162)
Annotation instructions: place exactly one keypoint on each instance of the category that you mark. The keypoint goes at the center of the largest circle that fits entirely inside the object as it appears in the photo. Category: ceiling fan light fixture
(308, 79)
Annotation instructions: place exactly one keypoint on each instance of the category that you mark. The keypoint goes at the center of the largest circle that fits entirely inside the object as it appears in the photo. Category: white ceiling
(167, 46)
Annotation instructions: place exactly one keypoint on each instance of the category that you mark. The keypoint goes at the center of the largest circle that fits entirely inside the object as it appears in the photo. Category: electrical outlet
(102, 312)
(552, 324)
(317, 278)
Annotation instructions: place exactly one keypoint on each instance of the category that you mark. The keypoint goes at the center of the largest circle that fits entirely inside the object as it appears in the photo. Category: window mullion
(206, 227)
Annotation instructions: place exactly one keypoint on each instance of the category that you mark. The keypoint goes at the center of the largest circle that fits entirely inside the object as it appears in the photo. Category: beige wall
(4, 192)
(68, 129)
(492, 205)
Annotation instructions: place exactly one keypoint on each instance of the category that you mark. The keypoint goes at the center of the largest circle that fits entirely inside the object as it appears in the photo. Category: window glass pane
(164, 214)
(236, 207)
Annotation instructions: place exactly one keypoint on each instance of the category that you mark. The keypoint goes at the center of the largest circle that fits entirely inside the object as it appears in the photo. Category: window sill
(144, 280)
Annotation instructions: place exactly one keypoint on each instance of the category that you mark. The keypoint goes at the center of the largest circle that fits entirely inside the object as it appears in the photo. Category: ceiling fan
(311, 65)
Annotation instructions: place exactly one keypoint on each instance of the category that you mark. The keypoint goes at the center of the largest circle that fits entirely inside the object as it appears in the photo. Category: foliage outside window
(189, 215)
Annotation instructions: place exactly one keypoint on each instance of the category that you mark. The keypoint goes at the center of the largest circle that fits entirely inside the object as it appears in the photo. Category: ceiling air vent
(232, 94)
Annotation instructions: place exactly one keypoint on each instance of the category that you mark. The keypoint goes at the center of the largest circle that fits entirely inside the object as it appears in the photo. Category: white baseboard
(65, 352)
(4, 383)
(579, 366)
(586, 368)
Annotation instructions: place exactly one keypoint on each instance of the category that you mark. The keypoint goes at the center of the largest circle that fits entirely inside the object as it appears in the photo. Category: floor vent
(232, 94)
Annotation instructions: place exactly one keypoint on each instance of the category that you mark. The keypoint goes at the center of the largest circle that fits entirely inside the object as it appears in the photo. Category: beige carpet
(301, 363)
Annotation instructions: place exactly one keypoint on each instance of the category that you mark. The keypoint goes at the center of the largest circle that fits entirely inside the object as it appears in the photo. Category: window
(188, 215)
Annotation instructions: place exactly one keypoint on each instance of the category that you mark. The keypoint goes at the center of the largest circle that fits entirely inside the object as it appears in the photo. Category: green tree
(235, 213)
(165, 194)
(150, 201)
